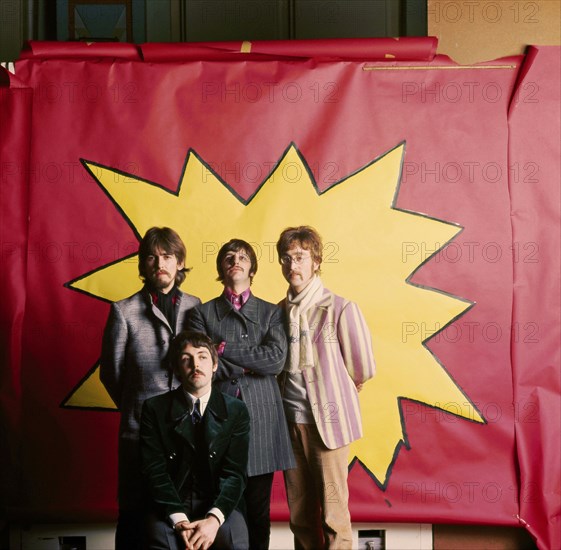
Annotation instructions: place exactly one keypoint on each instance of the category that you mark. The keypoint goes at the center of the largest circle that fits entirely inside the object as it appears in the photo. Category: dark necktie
(196, 415)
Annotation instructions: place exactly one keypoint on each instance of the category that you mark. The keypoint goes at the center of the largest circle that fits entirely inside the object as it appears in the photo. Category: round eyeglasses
(297, 259)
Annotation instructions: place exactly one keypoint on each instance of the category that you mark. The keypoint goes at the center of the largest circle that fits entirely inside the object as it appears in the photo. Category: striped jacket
(343, 359)
(255, 353)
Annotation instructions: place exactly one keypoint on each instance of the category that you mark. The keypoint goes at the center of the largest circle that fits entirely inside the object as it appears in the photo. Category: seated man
(194, 448)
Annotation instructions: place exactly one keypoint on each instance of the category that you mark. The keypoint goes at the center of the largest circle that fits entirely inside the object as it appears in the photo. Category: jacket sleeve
(113, 349)
(265, 358)
(195, 320)
(233, 471)
(356, 344)
(154, 464)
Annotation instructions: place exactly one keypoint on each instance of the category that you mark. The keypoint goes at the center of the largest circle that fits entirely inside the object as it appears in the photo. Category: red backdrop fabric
(15, 134)
(468, 160)
(535, 207)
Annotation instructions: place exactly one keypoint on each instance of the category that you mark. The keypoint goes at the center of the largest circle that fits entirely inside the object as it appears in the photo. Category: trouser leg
(331, 473)
(130, 530)
(303, 496)
(318, 495)
(159, 535)
(258, 508)
(232, 535)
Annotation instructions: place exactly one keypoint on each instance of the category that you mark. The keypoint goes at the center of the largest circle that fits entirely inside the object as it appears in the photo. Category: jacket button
(212, 455)
(234, 381)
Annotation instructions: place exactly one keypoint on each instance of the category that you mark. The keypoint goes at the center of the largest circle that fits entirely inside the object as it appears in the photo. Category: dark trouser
(130, 530)
(132, 499)
(232, 534)
(258, 506)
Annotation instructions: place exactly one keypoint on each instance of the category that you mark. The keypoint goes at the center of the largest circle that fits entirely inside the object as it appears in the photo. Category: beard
(160, 282)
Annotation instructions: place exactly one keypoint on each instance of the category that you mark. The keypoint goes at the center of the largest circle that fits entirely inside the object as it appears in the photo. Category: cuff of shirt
(177, 517)
(217, 514)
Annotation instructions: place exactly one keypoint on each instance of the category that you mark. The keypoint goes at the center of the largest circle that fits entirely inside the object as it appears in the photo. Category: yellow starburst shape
(364, 237)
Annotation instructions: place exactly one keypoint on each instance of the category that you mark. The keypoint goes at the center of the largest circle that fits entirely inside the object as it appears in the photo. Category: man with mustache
(329, 359)
(134, 360)
(251, 343)
(194, 444)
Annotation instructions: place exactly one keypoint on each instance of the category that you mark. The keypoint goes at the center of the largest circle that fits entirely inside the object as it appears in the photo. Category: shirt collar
(203, 399)
(237, 300)
(155, 294)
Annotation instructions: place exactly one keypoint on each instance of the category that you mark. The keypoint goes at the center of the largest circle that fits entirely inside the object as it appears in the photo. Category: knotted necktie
(196, 415)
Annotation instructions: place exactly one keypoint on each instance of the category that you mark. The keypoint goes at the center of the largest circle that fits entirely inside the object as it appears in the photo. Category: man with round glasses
(329, 358)
(251, 344)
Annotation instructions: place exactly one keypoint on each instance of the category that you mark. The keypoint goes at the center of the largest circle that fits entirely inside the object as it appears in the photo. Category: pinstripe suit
(133, 368)
(255, 340)
(254, 354)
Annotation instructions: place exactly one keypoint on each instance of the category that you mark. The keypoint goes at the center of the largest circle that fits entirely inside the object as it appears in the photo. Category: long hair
(165, 239)
(305, 236)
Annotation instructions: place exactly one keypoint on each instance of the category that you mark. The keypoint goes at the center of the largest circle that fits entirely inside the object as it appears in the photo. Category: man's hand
(198, 535)
(181, 529)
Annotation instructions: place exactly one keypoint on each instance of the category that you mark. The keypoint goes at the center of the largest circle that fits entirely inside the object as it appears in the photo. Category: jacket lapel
(180, 417)
(223, 307)
(155, 311)
(319, 315)
(215, 414)
(249, 311)
(180, 306)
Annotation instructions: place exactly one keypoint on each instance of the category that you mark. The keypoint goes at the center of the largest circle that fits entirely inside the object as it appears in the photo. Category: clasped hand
(200, 534)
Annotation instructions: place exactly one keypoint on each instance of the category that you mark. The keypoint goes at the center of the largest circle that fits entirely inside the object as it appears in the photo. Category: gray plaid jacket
(134, 367)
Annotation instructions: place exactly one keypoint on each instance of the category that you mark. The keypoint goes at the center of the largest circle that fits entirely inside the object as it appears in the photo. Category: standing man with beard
(251, 342)
(329, 358)
(135, 364)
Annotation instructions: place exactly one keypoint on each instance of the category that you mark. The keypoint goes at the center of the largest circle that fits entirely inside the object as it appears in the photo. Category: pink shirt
(237, 300)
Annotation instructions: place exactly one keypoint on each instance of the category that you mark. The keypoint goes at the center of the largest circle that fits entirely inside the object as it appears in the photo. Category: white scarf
(301, 354)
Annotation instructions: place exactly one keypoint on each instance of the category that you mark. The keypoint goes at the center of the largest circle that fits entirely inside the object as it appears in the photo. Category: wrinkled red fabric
(141, 109)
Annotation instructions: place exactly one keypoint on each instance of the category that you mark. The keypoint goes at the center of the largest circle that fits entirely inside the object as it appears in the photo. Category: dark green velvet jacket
(167, 445)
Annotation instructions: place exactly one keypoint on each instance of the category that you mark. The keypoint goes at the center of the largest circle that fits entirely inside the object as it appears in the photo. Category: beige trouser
(317, 492)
